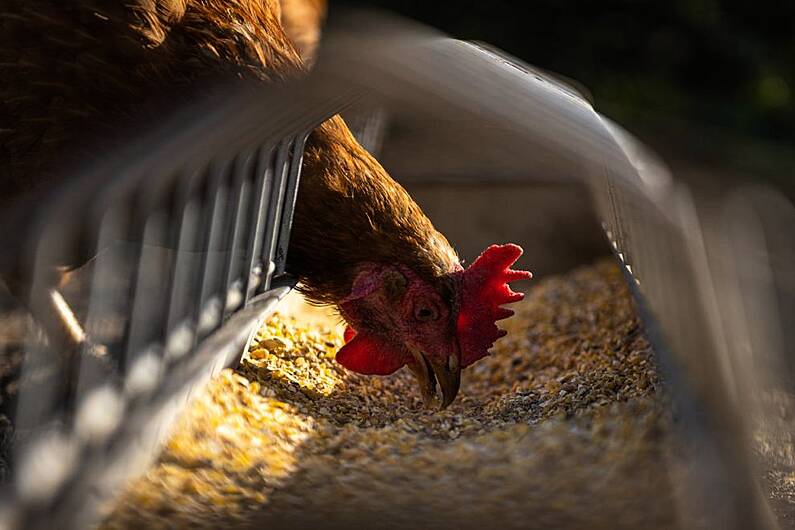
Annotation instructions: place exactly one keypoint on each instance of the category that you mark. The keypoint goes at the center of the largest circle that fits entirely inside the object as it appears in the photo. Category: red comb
(484, 288)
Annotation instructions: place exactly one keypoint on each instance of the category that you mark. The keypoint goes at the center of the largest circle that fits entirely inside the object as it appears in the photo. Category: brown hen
(75, 74)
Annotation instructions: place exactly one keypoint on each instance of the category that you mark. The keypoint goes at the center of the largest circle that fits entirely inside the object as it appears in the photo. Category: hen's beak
(428, 372)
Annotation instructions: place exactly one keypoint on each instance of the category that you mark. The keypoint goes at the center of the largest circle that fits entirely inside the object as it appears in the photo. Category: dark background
(707, 81)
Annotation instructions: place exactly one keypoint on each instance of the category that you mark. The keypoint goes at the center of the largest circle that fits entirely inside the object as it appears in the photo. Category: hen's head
(435, 327)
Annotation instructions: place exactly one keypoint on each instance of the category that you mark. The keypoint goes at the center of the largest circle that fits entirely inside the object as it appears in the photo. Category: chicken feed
(562, 427)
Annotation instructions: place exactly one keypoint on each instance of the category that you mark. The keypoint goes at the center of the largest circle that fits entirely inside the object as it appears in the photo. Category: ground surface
(561, 427)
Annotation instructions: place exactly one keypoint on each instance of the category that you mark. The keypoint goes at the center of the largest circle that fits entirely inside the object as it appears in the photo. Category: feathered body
(75, 75)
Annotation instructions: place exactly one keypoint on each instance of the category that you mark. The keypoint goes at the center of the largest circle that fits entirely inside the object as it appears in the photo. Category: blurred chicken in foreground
(72, 75)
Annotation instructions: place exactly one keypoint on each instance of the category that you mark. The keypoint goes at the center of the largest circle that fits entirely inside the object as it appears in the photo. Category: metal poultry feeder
(188, 255)
(191, 225)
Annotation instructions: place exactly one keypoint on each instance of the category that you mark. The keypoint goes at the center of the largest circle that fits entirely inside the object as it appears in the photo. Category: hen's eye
(426, 313)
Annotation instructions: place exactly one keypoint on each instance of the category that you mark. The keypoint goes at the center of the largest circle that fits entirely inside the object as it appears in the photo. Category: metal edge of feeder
(655, 234)
(137, 443)
(692, 414)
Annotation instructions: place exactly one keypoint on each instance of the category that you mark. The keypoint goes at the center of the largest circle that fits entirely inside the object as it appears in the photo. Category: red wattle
(369, 355)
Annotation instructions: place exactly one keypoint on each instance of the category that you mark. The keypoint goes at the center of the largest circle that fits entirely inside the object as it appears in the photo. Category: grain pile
(560, 428)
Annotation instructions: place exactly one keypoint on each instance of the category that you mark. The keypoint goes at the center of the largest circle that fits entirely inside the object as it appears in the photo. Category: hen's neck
(351, 212)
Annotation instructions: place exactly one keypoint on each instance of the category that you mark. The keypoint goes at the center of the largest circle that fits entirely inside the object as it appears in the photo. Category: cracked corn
(561, 427)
